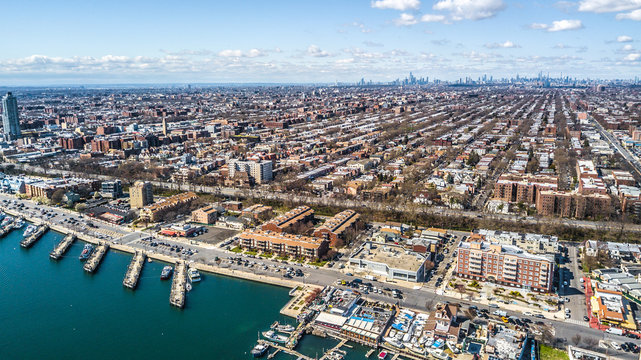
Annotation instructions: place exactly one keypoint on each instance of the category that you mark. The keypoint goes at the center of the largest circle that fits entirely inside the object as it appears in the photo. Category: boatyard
(178, 285)
(62, 247)
(134, 269)
(92, 264)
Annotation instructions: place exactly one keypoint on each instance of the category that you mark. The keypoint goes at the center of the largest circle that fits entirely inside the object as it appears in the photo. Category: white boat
(194, 275)
(188, 287)
(259, 350)
(395, 343)
(19, 224)
(6, 221)
(439, 354)
(273, 336)
(29, 230)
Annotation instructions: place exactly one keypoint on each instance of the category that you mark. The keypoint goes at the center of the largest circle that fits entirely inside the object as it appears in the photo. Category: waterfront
(54, 309)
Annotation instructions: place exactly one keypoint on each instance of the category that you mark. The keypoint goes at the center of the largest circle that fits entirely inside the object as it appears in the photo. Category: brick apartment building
(284, 244)
(283, 222)
(334, 229)
(523, 187)
(506, 265)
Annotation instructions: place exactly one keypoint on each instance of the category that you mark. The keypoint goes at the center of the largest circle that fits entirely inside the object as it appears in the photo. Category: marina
(62, 247)
(178, 285)
(92, 263)
(32, 238)
(134, 269)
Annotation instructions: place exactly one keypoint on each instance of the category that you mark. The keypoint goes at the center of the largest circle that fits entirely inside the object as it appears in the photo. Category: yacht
(166, 272)
(259, 350)
(273, 336)
(86, 252)
(6, 221)
(395, 343)
(29, 230)
(19, 224)
(194, 275)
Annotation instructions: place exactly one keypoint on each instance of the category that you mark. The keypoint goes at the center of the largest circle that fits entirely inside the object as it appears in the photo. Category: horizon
(286, 42)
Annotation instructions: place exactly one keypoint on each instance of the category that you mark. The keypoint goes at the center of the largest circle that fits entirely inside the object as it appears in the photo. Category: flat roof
(395, 257)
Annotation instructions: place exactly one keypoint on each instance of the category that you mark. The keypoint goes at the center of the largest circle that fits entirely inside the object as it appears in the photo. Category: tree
(57, 195)
(576, 339)
(473, 159)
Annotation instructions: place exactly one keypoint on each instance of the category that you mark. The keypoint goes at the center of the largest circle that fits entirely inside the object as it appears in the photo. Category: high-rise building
(141, 194)
(259, 171)
(10, 120)
(111, 189)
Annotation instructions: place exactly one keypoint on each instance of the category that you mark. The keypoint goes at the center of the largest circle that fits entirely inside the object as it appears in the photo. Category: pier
(92, 264)
(285, 350)
(62, 247)
(7, 229)
(177, 295)
(134, 269)
(31, 239)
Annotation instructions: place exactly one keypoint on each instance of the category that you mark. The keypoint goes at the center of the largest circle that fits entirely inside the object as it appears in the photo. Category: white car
(615, 345)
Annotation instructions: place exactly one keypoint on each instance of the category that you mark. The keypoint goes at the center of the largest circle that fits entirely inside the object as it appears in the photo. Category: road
(421, 297)
(264, 194)
(634, 163)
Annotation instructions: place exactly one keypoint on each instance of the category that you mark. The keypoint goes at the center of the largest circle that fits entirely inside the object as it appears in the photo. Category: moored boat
(259, 350)
(29, 230)
(86, 252)
(273, 336)
(194, 275)
(19, 224)
(166, 272)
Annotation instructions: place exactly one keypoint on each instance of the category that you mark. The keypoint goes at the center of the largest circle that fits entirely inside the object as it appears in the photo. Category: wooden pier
(134, 269)
(92, 264)
(177, 295)
(31, 239)
(62, 247)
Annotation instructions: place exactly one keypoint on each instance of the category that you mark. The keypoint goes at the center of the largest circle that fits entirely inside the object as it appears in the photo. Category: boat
(149, 260)
(194, 275)
(382, 355)
(29, 230)
(166, 272)
(19, 224)
(188, 287)
(273, 336)
(86, 252)
(6, 221)
(286, 328)
(395, 343)
(259, 350)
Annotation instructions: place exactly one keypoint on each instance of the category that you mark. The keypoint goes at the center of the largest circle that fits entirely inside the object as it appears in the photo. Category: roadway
(634, 163)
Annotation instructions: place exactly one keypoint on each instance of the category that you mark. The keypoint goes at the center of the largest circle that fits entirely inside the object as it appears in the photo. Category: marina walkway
(31, 239)
(178, 285)
(92, 264)
(62, 247)
(134, 269)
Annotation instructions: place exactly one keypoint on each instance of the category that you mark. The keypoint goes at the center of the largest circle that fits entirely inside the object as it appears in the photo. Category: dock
(285, 350)
(7, 229)
(134, 269)
(31, 239)
(62, 247)
(177, 295)
(92, 263)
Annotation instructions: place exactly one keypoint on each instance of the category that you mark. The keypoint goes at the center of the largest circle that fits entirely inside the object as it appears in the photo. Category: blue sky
(84, 42)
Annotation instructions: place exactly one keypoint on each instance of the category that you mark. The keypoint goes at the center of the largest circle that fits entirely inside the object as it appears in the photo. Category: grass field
(549, 353)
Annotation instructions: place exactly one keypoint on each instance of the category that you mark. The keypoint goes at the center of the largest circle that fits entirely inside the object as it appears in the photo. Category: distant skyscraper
(10, 121)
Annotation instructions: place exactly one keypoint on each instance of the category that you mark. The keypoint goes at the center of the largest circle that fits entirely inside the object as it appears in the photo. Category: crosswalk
(577, 322)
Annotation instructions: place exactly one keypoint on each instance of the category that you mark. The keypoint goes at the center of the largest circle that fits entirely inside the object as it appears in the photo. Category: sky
(310, 41)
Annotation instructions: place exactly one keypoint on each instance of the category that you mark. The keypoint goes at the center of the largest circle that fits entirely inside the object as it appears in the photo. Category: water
(53, 310)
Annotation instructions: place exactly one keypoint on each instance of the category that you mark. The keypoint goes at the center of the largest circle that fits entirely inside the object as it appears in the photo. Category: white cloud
(470, 9)
(632, 57)
(315, 51)
(632, 15)
(559, 25)
(624, 38)
(627, 47)
(406, 20)
(602, 6)
(433, 18)
(401, 5)
(239, 53)
(506, 45)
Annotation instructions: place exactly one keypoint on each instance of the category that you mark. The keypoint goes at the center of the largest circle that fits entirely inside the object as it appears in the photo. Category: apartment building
(334, 228)
(259, 171)
(205, 215)
(506, 265)
(572, 204)
(284, 244)
(283, 222)
(141, 194)
(523, 188)
(155, 211)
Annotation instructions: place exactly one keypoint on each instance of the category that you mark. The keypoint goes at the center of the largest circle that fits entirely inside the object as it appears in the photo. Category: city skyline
(285, 42)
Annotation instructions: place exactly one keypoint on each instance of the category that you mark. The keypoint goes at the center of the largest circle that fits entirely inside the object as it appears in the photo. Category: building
(442, 322)
(257, 211)
(284, 244)
(506, 265)
(391, 261)
(282, 222)
(155, 211)
(611, 307)
(111, 189)
(532, 243)
(10, 119)
(205, 215)
(141, 194)
(575, 205)
(334, 228)
(523, 187)
(259, 171)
